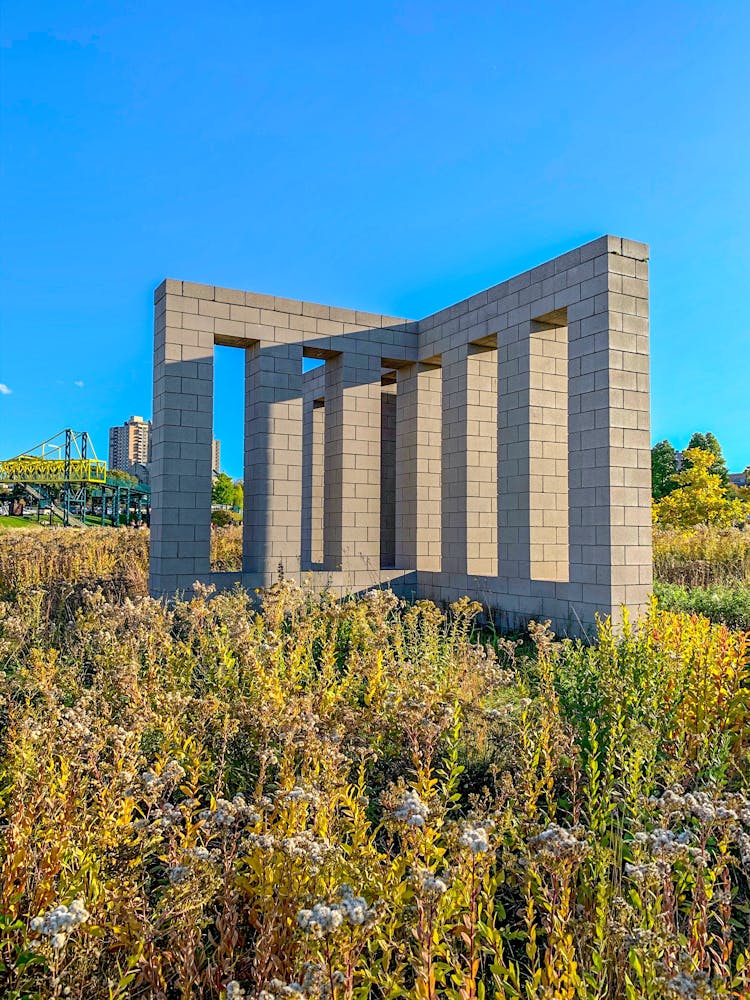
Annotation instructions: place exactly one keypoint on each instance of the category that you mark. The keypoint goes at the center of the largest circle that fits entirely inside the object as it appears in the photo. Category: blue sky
(391, 156)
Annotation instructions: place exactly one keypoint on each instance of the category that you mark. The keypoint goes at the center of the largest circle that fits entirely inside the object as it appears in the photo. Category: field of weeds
(359, 799)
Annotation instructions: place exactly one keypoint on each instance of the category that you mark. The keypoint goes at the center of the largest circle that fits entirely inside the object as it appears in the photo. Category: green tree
(239, 495)
(222, 491)
(719, 468)
(122, 477)
(663, 468)
(707, 442)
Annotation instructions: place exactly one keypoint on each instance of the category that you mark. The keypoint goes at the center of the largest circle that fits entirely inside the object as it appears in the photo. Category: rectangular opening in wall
(313, 481)
(548, 447)
(227, 457)
(481, 458)
(388, 470)
(313, 461)
(419, 465)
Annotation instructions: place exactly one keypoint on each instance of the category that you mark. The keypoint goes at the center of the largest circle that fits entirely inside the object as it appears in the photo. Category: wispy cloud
(4, 390)
(80, 383)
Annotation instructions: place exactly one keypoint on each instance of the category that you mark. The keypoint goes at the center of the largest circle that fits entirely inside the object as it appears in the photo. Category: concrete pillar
(352, 462)
(181, 446)
(513, 445)
(469, 448)
(610, 460)
(418, 467)
(313, 444)
(272, 536)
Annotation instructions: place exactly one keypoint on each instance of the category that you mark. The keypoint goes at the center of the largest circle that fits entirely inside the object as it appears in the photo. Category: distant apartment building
(130, 444)
(130, 448)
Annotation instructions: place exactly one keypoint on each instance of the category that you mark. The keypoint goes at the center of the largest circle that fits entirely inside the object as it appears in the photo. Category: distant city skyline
(394, 157)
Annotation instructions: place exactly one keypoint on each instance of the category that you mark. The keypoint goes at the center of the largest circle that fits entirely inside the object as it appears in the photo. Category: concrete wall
(498, 448)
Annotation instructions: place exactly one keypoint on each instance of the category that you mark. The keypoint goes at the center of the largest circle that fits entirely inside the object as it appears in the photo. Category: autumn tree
(699, 496)
(708, 443)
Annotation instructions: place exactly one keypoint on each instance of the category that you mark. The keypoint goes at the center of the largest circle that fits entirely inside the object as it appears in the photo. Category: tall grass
(361, 800)
(702, 556)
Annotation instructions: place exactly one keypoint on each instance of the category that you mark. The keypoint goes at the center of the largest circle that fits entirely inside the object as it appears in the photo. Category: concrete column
(352, 462)
(313, 444)
(453, 520)
(469, 448)
(418, 467)
(610, 461)
(272, 536)
(513, 446)
(181, 444)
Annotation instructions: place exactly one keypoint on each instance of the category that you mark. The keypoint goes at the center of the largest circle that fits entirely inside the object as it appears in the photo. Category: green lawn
(17, 522)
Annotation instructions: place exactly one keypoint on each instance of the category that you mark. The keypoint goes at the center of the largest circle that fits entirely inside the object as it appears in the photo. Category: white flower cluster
(430, 884)
(191, 856)
(178, 874)
(701, 805)
(475, 838)
(263, 841)
(323, 919)
(555, 842)
(227, 813)
(381, 601)
(235, 991)
(743, 845)
(298, 794)
(646, 871)
(76, 723)
(305, 846)
(411, 809)
(168, 815)
(355, 908)
(690, 987)
(665, 844)
(170, 774)
(59, 923)
(314, 984)
(198, 853)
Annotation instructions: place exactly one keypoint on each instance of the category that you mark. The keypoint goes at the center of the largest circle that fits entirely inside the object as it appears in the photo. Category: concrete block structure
(499, 448)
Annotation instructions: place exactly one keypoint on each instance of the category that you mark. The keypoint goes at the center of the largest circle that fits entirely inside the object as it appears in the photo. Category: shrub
(727, 604)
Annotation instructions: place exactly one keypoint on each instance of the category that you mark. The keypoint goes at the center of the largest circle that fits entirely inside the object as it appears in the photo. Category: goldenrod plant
(362, 799)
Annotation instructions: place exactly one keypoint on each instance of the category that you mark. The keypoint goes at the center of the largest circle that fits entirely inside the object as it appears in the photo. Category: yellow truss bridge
(68, 457)
(33, 469)
(64, 475)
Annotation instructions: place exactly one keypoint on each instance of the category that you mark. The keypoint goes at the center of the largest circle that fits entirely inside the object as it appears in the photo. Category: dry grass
(361, 800)
(702, 556)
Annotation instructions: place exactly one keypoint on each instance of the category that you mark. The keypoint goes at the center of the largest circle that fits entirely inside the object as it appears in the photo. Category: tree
(122, 477)
(663, 468)
(719, 468)
(222, 491)
(239, 495)
(699, 496)
(707, 442)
